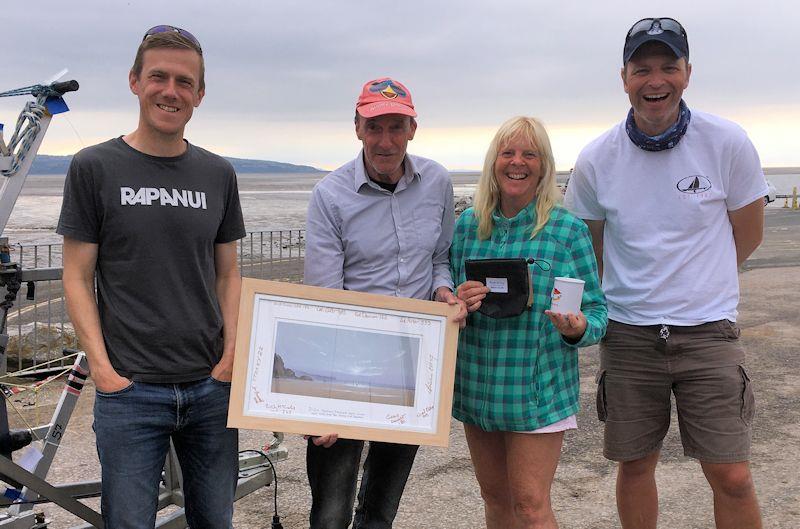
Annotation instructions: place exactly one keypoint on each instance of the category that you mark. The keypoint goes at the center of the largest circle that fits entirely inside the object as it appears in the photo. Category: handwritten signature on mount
(257, 367)
(430, 366)
(370, 315)
(331, 310)
(415, 321)
(277, 407)
(396, 418)
(290, 304)
(425, 412)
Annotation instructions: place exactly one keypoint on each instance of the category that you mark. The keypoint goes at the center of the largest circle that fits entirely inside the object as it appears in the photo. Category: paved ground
(781, 245)
(443, 493)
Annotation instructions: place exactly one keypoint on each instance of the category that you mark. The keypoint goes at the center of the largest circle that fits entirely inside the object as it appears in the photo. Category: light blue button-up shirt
(362, 237)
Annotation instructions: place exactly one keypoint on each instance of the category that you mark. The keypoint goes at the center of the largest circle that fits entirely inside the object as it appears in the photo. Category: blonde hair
(487, 194)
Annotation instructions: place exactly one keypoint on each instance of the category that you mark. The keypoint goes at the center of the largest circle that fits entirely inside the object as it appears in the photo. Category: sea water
(271, 201)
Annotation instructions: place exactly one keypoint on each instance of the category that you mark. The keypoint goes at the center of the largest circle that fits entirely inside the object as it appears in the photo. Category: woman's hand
(472, 293)
(569, 325)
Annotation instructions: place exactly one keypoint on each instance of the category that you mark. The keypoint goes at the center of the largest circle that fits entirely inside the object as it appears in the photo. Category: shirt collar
(362, 178)
(526, 215)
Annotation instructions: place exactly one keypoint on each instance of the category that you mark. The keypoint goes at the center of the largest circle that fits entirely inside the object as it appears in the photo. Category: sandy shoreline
(329, 390)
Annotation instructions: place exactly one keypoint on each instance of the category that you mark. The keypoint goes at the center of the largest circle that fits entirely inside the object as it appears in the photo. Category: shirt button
(402, 260)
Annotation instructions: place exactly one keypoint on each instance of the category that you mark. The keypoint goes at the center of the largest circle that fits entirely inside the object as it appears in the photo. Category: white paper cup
(566, 295)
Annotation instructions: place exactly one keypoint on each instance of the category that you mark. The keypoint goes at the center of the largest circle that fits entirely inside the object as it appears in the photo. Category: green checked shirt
(519, 374)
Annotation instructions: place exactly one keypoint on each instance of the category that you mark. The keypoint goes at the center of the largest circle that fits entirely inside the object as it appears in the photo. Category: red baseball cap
(385, 96)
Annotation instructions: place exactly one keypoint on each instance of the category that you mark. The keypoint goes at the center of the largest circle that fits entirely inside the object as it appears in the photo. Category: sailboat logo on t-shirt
(694, 184)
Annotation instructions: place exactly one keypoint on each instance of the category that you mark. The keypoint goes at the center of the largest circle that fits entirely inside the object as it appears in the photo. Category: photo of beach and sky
(345, 363)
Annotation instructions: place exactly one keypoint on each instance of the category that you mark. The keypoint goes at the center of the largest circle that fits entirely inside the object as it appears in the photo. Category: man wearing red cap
(381, 223)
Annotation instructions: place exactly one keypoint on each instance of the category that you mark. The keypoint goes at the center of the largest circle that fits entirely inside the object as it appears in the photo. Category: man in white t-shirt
(674, 201)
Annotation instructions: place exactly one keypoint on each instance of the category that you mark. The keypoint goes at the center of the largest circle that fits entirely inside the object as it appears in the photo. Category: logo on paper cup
(566, 295)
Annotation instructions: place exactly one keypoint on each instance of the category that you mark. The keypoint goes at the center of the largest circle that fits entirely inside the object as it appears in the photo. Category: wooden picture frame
(313, 360)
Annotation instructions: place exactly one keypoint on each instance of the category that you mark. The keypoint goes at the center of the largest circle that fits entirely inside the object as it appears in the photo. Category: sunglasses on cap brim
(157, 30)
(647, 25)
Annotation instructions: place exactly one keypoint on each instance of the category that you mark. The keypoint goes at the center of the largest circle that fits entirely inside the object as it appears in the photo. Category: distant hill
(46, 164)
(243, 165)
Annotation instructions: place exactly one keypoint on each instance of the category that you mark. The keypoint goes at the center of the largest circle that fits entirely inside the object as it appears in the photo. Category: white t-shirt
(668, 250)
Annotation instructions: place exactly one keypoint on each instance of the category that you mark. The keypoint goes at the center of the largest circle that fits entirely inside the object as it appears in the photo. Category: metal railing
(39, 329)
(276, 254)
(37, 325)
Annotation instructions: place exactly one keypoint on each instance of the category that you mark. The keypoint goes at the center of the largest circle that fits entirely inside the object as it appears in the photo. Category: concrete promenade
(442, 491)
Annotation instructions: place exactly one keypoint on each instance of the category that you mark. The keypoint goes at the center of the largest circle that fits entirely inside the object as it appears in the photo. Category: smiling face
(517, 171)
(385, 139)
(654, 80)
(168, 91)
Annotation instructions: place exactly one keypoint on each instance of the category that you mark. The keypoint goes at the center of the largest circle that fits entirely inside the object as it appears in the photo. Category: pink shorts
(570, 423)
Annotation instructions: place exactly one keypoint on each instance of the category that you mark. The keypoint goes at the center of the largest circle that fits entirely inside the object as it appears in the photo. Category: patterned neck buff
(667, 139)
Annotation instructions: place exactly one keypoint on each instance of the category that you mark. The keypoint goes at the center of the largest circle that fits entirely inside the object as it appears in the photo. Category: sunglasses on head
(156, 30)
(655, 26)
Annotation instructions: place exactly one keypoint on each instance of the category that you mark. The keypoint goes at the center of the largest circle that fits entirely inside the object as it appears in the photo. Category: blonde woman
(517, 377)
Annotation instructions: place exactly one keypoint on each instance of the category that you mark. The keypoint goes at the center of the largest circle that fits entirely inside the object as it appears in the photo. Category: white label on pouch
(497, 284)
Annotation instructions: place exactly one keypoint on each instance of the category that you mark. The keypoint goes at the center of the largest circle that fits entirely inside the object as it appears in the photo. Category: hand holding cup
(565, 307)
(569, 325)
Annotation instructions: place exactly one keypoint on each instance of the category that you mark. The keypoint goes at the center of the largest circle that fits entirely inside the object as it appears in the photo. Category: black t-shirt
(155, 221)
(388, 187)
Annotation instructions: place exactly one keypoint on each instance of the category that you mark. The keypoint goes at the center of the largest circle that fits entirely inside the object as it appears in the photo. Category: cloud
(283, 77)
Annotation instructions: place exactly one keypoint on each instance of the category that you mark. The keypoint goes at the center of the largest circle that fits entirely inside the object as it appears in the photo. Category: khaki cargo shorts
(703, 366)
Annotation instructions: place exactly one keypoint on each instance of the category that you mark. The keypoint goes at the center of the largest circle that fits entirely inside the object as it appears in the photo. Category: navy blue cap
(666, 30)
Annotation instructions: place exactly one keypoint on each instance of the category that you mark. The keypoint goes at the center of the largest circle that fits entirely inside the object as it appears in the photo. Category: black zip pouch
(510, 283)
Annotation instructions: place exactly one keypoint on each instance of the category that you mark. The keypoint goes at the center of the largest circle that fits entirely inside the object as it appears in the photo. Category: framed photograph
(315, 360)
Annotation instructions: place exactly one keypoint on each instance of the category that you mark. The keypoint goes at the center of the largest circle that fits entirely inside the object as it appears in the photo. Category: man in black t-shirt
(157, 220)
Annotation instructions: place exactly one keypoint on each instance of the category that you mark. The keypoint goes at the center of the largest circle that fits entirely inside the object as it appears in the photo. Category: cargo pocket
(600, 379)
(729, 330)
(748, 397)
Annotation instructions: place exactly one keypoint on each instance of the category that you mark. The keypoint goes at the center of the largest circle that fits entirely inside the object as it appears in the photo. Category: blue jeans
(332, 475)
(134, 427)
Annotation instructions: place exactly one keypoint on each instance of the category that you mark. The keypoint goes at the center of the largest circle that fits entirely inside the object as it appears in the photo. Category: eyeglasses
(654, 26)
(156, 30)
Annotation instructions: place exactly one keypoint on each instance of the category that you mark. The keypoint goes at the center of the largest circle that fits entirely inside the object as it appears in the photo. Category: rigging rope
(30, 115)
(24, 136)
(36, 387)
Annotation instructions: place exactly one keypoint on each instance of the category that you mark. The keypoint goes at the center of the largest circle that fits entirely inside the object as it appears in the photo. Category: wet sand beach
(330, 390)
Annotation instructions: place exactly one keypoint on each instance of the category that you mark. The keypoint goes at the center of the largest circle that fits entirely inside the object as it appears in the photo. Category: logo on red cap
(387, 89)
(384, 96)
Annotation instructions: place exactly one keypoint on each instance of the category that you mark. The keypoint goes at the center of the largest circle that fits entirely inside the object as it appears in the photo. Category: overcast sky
(282, 77)
(348, 355)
